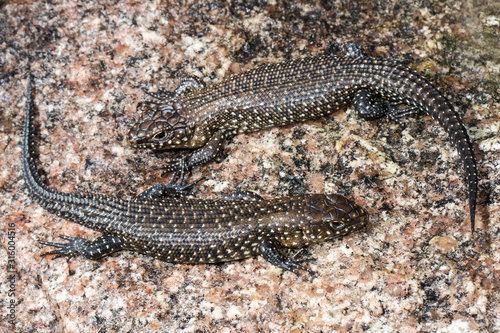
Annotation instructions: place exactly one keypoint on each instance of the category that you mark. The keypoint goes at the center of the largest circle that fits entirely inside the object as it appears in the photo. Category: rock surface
(415, 268)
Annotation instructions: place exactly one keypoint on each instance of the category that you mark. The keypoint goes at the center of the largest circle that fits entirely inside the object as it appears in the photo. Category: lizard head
(159, 127)
(332, 216)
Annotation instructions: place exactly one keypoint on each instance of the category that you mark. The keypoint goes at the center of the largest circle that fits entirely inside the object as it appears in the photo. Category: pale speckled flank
(184, 230)
(294, 91)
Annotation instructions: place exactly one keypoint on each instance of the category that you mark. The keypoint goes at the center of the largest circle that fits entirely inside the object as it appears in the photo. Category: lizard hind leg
(369, 107)
(100, 247)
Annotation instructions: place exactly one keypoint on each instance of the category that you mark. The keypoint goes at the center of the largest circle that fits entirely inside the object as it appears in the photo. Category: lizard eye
(159, 136)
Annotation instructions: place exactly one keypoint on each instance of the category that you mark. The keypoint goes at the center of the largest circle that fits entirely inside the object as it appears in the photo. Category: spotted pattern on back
(297, 90)
(182, 230)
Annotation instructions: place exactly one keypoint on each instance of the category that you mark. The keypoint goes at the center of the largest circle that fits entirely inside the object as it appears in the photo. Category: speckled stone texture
(415, 268)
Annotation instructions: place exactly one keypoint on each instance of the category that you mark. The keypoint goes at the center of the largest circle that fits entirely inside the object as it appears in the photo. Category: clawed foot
(174, 188)
(66, 249)
(301, 256)
(270, 250)
(161, 95)
(293, 265)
